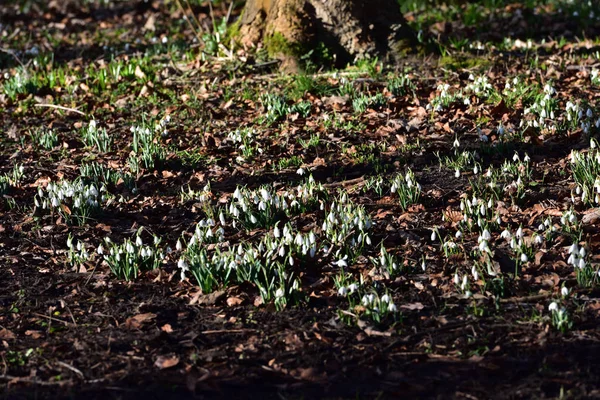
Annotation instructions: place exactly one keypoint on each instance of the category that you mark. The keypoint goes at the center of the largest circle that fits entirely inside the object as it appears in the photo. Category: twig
(12, 53)
(212, 332)
(59, 107)
(526, 299)
(32, 380)
(72, 368)
(53, 319)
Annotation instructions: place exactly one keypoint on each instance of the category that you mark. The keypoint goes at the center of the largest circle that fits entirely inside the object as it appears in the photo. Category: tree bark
(347, 29)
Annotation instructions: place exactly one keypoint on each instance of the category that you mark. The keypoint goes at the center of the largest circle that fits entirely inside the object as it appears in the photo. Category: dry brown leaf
(137, 321)
(163, 362)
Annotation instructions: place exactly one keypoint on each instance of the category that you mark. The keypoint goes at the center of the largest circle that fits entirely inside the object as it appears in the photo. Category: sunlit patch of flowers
(146, 144)
(96, 137)
(587, 274)
(264, 206)
(519, 171)
(11, 179)
(480, 87)
(407, 189)
(585, 167)
(77, 255)
(444, 98)
(244, 138)
(127, 259)
(203, 196)
(559, 316)
(364, 301)
(387, 264)
(543, 111)
(346, 226)
(580, 116)
(74, 201)
(260, 266)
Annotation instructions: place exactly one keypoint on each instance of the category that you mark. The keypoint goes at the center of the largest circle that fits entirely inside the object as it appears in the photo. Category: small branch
(60, 108)
(72, 368)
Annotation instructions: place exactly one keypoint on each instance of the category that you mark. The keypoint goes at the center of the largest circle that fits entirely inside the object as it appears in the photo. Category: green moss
(459, 62)
(276, 44)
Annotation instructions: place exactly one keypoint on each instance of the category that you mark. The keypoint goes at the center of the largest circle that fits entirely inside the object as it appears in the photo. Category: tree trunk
(344, 29)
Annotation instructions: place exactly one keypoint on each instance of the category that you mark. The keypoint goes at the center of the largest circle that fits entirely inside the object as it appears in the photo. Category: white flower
(129, 247)
(352, 287)
(178, 246)
(524, 258)
(564, 291)
(474, 273)
(553, 306)
(100, 249)
(138, 241)
(342, 291)
(457, 173)
(385, 298)
(279, 293)
(433, 236)
(538, 239)
(456, 279)
(300, 171)
(392, 307)
(341, 263)
(486, 235)
(519, 233)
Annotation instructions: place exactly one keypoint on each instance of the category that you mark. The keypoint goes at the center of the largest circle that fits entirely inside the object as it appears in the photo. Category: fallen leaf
(136, 321)
(234, 301)
(163, 362)
(6, 334)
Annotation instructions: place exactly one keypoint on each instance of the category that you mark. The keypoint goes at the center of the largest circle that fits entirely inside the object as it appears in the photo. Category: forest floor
(180, 220)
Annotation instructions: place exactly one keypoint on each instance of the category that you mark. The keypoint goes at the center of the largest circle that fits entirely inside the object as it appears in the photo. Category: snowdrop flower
(433, 236)
(279, 293)
(182, 265)
(423, 265)
(486, 235)
(456, 143)
(385, 298)
(538, 239)
(341, 263)
(519, 233)
(457, 173)
(474, 273)
(129, 247)
(352, 287)
(392, 307)
(300, 171)
(574, 248)
(456, 279)
(100, 249)
(138, 241)
(342, 291)
(524, 258)
(553, 307)
(178, 246)
(505, 234)
(465, 280)
(582, 252)
(564, 291)
(581, 263)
